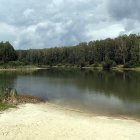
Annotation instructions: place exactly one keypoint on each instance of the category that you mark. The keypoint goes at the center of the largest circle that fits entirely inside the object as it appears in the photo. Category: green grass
(4, 106)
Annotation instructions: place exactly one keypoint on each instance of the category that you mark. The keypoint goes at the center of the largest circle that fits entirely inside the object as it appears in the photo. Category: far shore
(22, 69)
(48, 121)
(31, 68)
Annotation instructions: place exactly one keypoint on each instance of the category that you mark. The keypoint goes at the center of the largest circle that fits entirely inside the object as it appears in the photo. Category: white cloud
(106, 32)
(7, 32)
(50, 23)
(28, 12)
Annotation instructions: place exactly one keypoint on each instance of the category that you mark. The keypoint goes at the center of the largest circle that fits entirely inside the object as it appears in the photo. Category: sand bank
(47, 122)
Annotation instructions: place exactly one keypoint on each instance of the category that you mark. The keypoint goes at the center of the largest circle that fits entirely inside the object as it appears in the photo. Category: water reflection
(104, 92)
(7, 79)
(102, 82)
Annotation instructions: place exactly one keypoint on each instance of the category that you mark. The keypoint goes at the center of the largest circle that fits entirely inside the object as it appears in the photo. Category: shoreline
(49, 121)
(63, 67)
(14, 102)
(26, 99)
(91, 114)
(21, 69)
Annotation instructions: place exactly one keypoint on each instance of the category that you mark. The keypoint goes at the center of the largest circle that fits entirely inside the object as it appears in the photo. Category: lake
(100, 92)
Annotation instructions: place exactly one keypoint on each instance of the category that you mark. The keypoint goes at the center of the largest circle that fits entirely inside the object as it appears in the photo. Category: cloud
(126, 12)
(7, 32)
(50, 23)
(124, 9)
(28, 13)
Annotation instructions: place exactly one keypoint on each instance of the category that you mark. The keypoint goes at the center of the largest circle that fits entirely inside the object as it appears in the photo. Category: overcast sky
(49, 23)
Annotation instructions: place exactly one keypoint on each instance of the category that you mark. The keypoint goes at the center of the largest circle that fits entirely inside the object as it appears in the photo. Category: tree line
(123, 50)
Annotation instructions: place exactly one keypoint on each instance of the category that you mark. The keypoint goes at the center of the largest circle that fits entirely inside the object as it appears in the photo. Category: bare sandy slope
(48, 122)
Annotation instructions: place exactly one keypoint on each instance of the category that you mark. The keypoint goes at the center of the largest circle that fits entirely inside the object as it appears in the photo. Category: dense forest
(7, 52)
(123, 50)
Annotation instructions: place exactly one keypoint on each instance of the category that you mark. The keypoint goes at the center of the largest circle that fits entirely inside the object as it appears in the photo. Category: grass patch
(4, 106)
(10, 99)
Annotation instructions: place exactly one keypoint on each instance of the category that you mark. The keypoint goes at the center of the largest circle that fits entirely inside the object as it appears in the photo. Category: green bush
(12, 64)
(130, 64)
(82, 65)
(108, 64)
(1, 62)
(114, 64)
(15, 63)
(3, 94)
(96, 65)
(4, 106)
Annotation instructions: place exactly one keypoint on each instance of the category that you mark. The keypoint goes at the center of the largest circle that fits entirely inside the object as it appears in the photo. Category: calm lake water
(100, 92)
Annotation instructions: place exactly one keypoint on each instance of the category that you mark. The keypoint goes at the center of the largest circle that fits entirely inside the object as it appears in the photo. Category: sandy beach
(50, 122)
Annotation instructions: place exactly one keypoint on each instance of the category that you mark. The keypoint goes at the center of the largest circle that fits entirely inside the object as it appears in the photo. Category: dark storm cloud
(125, 12)
(124, 9)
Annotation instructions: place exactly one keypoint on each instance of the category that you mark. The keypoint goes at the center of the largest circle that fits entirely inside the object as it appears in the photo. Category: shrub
(129, 65)
(96, 65)
(1, 62)
(108, 64)
(114, 64)
(15, 63)
(82, 65)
